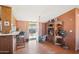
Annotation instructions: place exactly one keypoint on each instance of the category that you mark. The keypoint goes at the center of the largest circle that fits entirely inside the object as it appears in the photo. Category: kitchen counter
(8, 42)
(13, 33)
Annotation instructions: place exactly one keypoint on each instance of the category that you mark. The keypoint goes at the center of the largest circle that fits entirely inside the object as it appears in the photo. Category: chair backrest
(21, 33)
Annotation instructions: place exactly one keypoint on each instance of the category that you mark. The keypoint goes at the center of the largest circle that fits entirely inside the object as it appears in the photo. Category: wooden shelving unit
(50, 30)
(58, 27)
(53, 27)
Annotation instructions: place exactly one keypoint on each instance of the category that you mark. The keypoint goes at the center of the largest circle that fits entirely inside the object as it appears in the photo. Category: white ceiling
(46, 12)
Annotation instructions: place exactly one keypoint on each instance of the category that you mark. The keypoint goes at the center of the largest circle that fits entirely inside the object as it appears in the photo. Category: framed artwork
(6, 23)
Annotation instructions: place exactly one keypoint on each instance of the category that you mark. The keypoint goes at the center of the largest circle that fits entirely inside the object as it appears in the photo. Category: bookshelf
(50, 31)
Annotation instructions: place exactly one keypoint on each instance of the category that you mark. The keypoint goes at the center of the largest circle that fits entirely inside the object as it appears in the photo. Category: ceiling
(46, 12)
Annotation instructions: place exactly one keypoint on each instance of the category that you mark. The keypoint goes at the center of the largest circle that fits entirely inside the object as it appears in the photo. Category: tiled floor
(33, 47)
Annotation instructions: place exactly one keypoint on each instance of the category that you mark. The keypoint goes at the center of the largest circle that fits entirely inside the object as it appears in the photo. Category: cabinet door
(4, 44)
(6, 15)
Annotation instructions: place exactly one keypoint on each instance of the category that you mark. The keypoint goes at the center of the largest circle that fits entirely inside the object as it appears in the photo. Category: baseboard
(76, 49)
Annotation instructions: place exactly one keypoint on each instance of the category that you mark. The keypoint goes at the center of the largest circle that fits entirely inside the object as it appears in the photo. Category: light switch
(70, 31)
(77, 14)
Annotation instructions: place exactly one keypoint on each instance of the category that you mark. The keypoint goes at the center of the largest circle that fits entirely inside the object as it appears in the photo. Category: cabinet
(5, 16)
(5, 44)
(56, 32)
(60, 33)
(50, 31)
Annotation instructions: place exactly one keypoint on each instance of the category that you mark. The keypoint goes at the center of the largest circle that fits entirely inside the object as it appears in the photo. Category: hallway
(33, 47)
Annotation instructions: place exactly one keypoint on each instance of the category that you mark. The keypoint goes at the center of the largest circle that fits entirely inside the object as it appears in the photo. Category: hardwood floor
(33, 47)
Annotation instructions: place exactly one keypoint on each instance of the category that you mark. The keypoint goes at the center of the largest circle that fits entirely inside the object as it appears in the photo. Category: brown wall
(42, 28)
(77, 29)
(69, 24)
(23, 25)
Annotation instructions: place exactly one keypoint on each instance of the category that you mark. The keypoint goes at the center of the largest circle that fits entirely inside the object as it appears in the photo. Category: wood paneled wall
(77, 29)
(69, 25)
(42, 29)
(23, 25)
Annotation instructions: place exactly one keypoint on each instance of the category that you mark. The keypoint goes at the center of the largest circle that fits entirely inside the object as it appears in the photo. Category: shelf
(50, 27)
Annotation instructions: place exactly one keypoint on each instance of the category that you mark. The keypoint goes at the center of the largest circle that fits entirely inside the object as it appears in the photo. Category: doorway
(33, 30)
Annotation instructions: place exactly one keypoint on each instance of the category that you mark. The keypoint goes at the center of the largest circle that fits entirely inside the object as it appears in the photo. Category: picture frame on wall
(6, 23)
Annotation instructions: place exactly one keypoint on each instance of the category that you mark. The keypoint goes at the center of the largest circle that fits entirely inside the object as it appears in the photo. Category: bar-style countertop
(12, 33)
(8, 42)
